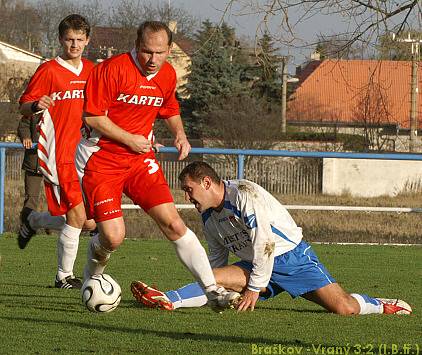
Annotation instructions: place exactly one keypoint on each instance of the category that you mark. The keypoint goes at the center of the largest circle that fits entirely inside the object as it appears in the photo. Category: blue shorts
(297, 272)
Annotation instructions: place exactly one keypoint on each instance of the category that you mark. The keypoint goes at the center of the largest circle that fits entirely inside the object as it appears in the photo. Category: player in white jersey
(241, 217)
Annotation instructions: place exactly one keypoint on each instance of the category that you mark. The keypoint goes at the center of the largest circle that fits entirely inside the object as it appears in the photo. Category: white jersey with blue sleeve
(254, 226)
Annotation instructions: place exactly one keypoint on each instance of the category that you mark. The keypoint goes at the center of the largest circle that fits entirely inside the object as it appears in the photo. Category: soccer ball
(100, 293)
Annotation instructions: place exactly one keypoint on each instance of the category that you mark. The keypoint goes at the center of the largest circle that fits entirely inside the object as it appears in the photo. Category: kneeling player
(241, 217)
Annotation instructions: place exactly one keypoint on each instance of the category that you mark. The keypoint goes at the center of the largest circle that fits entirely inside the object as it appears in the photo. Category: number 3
(152, 165)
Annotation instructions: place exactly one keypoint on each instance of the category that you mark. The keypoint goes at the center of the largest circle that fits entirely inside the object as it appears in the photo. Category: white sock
(39, 220)
(97, 257)
(67, 248)
(368, 305)
(192, 254)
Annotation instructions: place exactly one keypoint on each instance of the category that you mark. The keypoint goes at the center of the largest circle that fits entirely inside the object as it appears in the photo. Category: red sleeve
(39, 85)
(170, 106)
(100, 89)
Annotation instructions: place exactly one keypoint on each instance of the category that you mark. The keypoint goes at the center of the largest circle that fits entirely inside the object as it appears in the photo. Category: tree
(392, 49)
(50, 14)
(213, 73)
(19, 25)
(337, 47)
(268, 69)
(364, 20)
(129, 14)
(373, 111)
(242, 122)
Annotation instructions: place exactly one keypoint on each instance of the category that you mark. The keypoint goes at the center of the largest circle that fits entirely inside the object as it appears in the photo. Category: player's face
(73, 44)
(196, 193)
(152, 51)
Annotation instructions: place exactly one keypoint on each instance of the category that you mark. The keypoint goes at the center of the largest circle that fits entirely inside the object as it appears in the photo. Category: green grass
(36, 318)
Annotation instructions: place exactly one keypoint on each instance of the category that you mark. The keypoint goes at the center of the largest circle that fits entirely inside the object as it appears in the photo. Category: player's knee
(112, 239)
(177, 227)
(89, 225)
(218, 275)
(76, 216)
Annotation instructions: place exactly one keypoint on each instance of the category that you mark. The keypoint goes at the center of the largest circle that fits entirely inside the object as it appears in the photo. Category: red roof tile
(331, 90)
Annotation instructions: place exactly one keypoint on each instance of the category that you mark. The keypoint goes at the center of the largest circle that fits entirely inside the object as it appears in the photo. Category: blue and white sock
(191, 295)
(368, 305)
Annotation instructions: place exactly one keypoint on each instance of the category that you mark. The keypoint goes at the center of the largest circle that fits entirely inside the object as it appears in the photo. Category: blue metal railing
(241, 153)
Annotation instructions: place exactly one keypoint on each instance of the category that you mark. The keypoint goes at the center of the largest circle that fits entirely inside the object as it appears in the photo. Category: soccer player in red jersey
(57, 89)
(123, 97)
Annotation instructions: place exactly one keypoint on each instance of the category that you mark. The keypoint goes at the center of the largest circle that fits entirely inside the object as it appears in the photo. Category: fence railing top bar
(279, 153)
(303, 154)
(316, 208)
(10, 145)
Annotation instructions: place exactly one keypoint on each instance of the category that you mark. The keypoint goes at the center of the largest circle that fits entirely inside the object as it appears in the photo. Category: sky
(246, 26)
(306, 31)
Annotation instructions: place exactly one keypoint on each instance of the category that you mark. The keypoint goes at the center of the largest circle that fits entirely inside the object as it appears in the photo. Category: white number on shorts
(152, 165)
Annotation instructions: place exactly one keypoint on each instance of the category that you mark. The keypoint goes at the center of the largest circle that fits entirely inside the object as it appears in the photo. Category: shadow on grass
(291, 309)
(28, 285)
(134, 304)
(172, 335)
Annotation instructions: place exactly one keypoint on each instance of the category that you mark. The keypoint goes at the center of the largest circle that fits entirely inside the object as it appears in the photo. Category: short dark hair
(153, 26)
(74, 22)
(197, 170)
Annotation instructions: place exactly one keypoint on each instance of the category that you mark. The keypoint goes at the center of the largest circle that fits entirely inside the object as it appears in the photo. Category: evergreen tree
(268, 69)
(214, 74)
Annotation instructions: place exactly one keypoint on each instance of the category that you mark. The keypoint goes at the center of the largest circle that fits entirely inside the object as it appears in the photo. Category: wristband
(34, 107)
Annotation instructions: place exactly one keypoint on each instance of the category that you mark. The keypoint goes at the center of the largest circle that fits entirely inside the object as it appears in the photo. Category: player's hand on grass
(248, 300)
(27, 143)
(183, 146)
(44, 103)
(139, 144)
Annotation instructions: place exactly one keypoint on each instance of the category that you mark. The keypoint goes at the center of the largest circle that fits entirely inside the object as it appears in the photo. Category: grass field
(38, 319)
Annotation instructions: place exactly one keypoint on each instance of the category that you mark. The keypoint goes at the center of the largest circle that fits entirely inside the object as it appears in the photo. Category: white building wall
(370, 178)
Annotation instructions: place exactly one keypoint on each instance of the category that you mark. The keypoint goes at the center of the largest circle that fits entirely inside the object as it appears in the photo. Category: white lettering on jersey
(68, 94)
(56, 96)
(150, 99)
(141, 100)
(158, 101)
(133, 100)
(147, 87)
(99, 203)
(111, 212)
(123, 97)
(77, 94)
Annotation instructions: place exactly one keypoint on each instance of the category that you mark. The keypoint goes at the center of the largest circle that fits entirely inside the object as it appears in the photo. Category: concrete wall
(370, 178)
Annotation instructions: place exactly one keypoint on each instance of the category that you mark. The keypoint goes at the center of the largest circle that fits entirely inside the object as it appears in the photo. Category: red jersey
(65, 85)
(60, 125)
(118, 89)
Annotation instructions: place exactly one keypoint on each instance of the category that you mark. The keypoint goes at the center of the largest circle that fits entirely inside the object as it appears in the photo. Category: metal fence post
(240, 166)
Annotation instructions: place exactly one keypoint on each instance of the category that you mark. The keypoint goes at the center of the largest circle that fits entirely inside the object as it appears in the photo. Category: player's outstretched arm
(175, 125)
(137, 143)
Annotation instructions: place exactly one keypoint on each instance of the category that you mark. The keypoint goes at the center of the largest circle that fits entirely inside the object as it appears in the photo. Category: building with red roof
(355, 92)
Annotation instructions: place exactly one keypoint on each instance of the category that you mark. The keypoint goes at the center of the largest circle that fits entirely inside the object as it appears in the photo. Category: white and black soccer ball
(100, 293)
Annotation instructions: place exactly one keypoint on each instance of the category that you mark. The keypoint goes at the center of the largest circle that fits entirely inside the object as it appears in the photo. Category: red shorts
(62, 198)
(106, 176)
